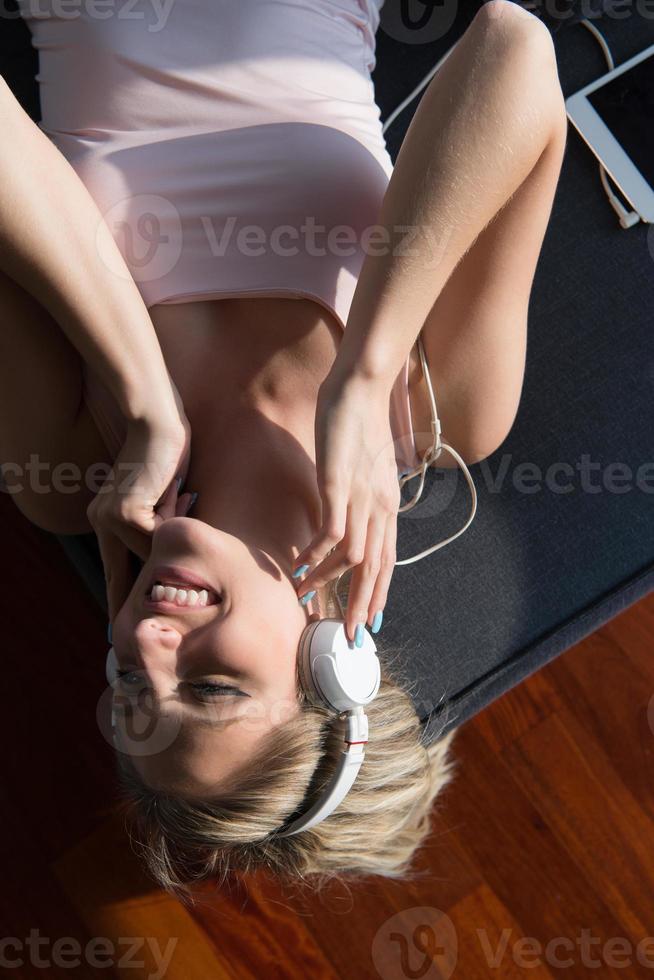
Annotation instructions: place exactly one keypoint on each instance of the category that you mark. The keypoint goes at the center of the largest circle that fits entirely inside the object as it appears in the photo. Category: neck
(253, 468)
(248, 372)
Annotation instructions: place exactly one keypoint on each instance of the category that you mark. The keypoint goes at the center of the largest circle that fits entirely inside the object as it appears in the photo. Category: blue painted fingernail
(109, 633)
(178, 481)
(358, 635)
(307, 597)
(194, 497)
(377, 621)
(300, 571)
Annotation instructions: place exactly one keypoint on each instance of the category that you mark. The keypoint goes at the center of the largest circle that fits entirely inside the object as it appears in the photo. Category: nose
(153, 635)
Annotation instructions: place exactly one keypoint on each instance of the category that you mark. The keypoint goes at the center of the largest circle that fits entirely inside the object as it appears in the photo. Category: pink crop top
(233, 148)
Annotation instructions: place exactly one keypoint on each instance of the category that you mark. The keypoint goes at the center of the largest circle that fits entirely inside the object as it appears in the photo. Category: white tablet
(615, 116)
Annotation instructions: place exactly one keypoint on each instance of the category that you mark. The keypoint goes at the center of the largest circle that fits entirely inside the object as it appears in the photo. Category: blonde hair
(376, 829)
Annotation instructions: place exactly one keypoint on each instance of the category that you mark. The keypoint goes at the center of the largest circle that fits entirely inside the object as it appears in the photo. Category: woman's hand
(360, 493)
(140, 492)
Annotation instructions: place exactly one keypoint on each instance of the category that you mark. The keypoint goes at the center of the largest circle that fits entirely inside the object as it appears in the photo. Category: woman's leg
(476, 176)
(43, 422)
(42, 426)
(475, 334)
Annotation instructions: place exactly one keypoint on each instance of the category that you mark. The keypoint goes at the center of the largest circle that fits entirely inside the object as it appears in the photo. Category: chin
(174, 525)
(185, 533)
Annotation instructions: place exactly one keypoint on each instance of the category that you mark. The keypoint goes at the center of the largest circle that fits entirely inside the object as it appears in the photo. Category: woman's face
(205, 685)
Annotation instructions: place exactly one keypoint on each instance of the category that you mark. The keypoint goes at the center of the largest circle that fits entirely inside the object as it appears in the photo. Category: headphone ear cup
(334, 673)
(304, 668)
(111, 673)
(111, 667)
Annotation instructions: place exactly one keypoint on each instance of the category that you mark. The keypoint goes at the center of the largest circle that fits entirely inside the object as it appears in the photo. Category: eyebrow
(204, 721)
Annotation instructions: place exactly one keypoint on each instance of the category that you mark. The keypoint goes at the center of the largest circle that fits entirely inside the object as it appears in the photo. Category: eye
(129, 678)
(202, 690)
(205, 691)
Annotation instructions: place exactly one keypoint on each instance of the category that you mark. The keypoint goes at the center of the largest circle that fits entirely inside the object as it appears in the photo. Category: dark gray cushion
(541, 567)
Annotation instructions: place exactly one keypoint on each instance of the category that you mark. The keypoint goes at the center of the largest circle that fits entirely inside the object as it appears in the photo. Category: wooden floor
(541, 862)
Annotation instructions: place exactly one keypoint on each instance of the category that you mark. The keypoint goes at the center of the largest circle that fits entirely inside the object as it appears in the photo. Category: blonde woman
(172, 311)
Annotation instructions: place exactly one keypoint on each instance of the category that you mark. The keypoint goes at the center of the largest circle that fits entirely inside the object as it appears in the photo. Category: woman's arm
(49, 228)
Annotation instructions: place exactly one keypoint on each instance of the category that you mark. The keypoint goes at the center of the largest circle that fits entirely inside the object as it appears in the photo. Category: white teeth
(182, 597)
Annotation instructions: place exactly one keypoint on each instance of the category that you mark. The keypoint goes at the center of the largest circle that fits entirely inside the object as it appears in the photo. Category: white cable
(595, 31)
(627, 218)
(429, 457)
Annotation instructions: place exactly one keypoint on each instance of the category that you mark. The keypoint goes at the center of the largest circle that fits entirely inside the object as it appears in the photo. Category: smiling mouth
(174, 587)
(182, 596)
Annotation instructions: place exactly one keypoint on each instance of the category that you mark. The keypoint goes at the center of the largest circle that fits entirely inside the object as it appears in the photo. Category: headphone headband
(337, 675)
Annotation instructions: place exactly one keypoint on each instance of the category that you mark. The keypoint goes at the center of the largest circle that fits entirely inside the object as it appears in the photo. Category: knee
(518, 41)
(475, 437)
(477, 448)
(509, 16)
(56, 513)
(507, 23)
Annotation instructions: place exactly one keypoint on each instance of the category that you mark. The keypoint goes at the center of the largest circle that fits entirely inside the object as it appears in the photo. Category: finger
(126, 525)
(184, 504)
(348, 552)
(386, 569)
(166, 507)
(364, 576)
(332, 530)
(135, 519)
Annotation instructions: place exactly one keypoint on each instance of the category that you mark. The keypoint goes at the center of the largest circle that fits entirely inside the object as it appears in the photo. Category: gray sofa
(564, 536)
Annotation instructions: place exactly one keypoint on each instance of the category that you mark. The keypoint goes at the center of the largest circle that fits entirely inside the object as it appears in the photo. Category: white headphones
(341, 677)
(336, 675)
(111, 673)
